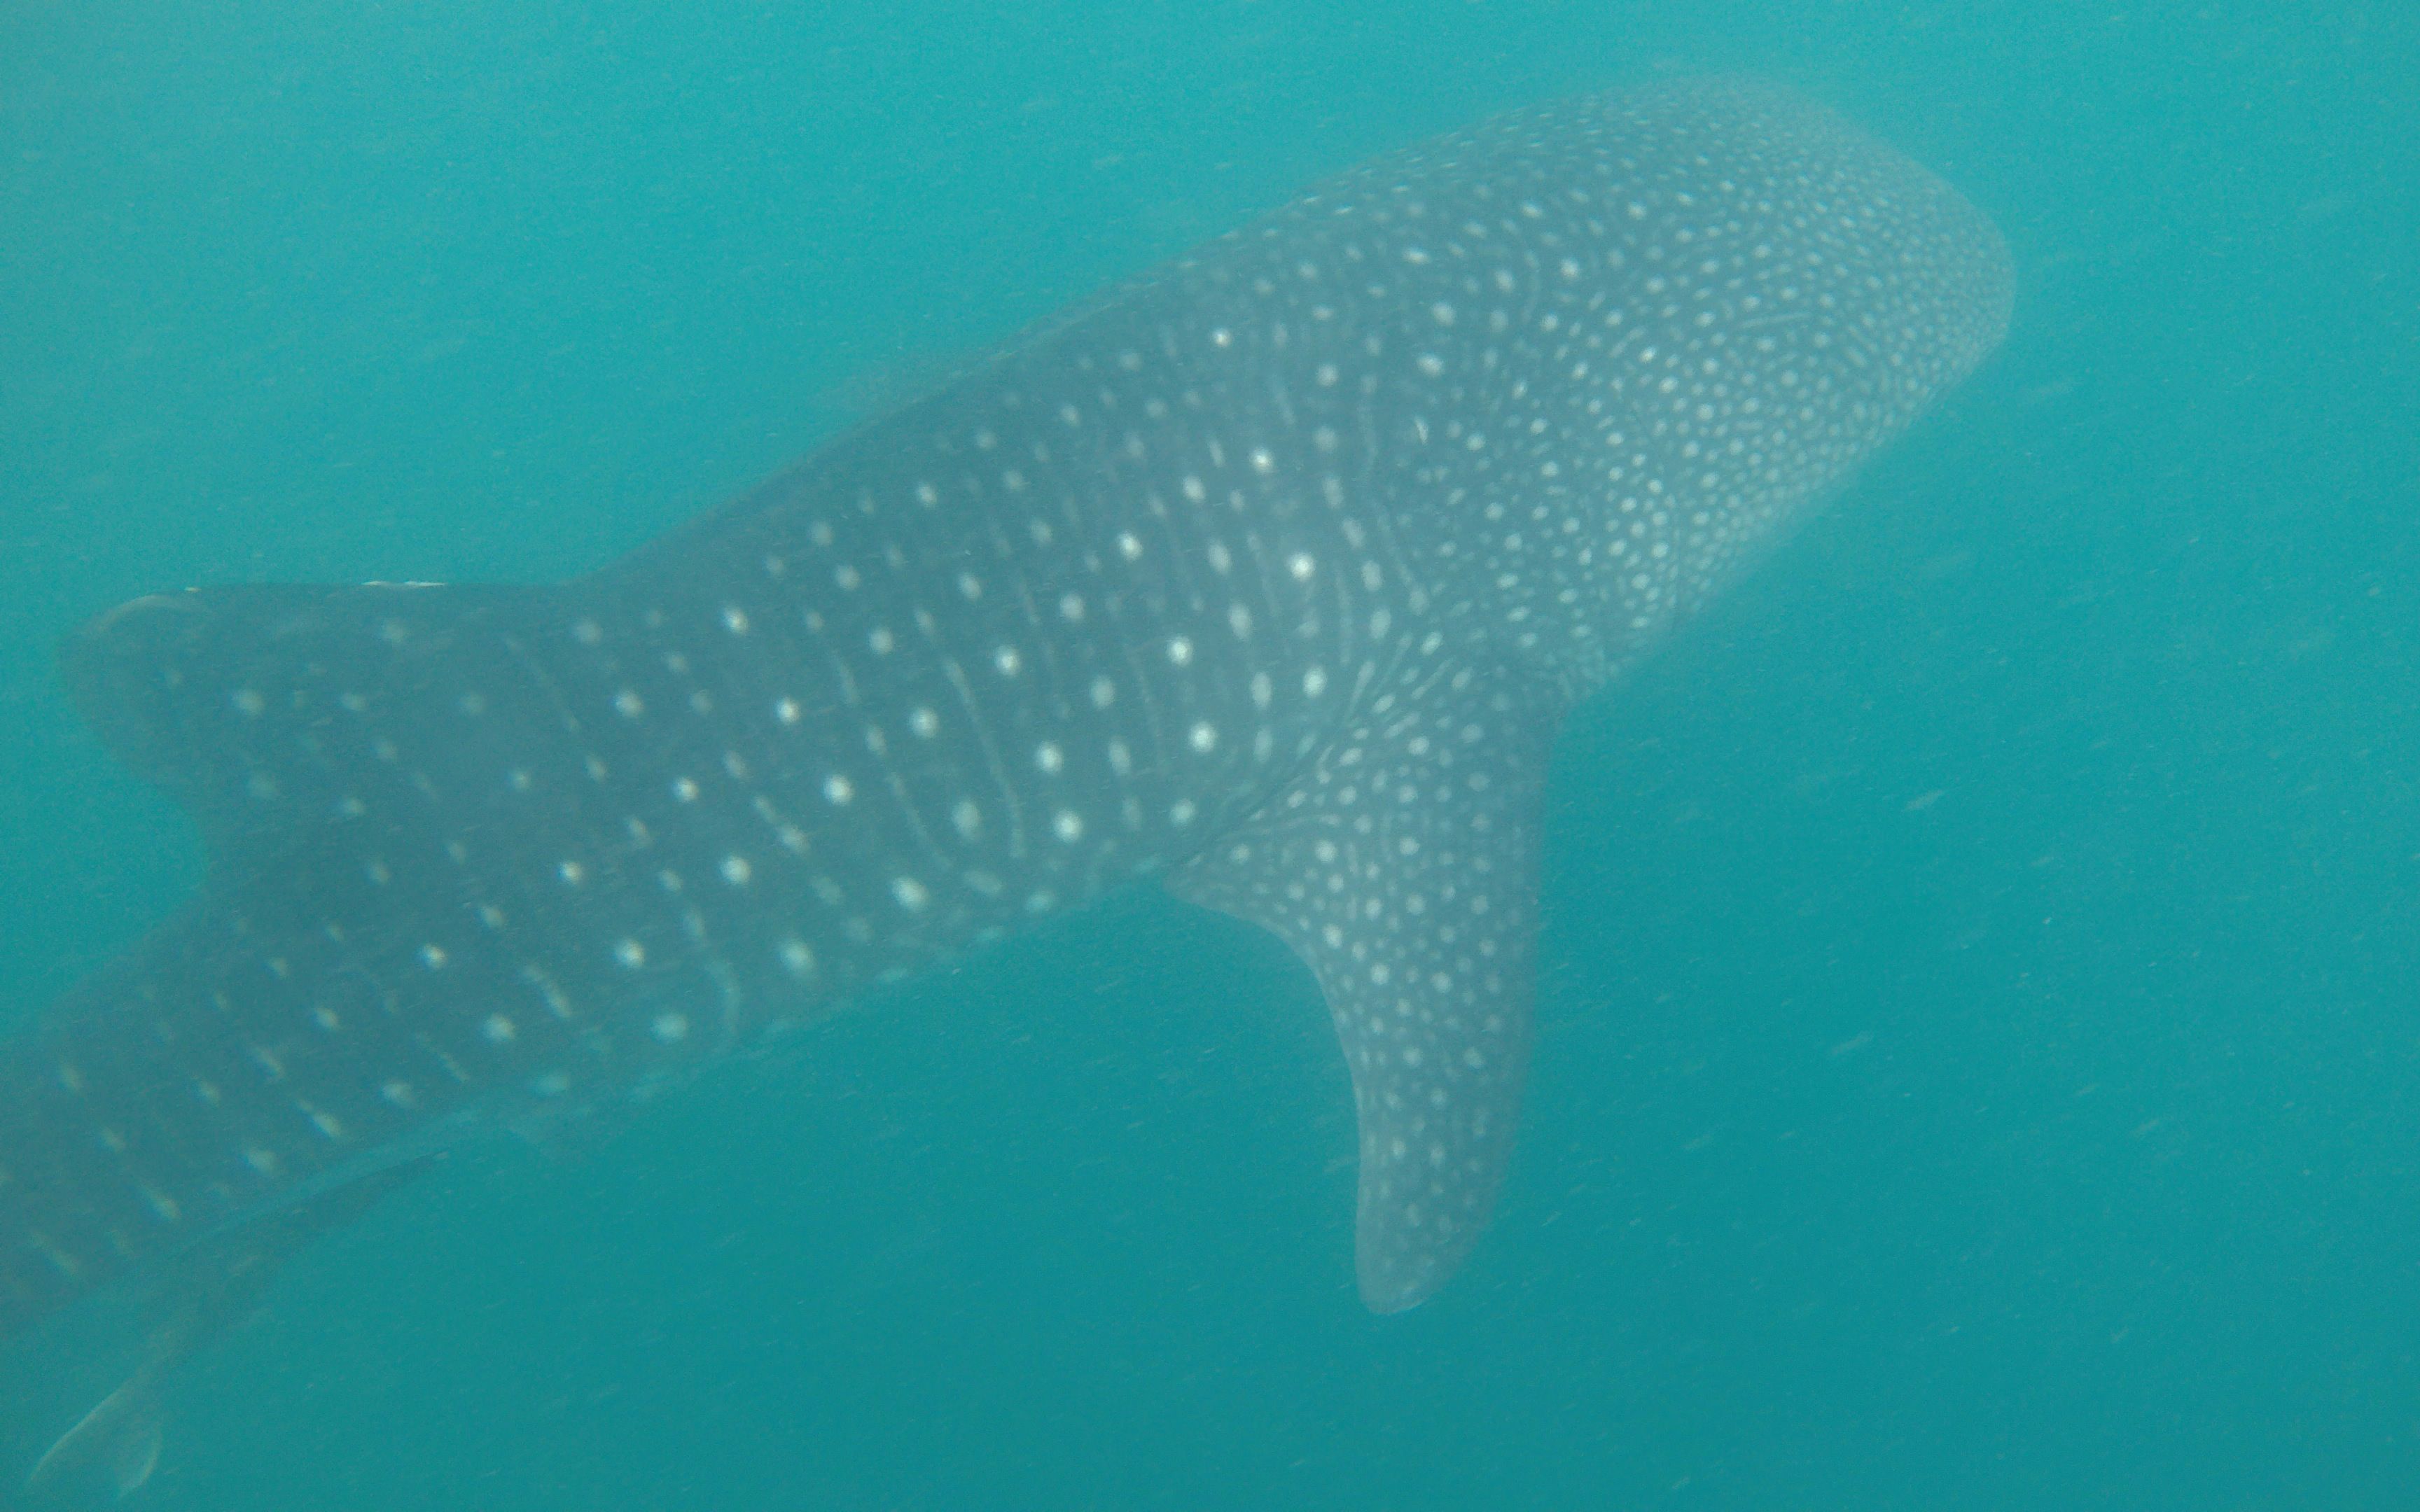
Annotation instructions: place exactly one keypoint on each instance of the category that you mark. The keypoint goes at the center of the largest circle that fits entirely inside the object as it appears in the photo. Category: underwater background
(1979, 1060)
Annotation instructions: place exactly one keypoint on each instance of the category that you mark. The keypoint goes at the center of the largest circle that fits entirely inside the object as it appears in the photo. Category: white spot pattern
(1242, 565)
(1433, 1016)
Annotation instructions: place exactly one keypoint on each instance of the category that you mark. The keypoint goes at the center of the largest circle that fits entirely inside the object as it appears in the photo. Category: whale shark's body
(1270, 576)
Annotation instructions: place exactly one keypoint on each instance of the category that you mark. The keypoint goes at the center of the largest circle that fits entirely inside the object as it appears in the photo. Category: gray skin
(1270, 575)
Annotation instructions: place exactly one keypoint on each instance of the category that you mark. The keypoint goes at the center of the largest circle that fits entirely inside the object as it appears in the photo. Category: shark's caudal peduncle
(1270, 576)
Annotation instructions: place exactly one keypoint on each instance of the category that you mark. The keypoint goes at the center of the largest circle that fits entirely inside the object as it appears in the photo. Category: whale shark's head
(1635, 335)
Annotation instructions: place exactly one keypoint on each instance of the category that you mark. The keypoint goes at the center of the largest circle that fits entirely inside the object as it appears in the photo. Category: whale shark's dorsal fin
(1403, 869)
(222, 696)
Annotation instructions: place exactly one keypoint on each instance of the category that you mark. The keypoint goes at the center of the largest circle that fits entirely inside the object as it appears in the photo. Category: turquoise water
(1977, 1062)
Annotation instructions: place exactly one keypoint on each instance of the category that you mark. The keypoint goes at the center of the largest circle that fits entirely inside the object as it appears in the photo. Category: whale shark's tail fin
(1403, 869)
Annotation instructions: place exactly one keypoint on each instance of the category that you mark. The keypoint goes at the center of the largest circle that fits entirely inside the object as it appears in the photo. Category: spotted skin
(1402, 867)
(1270, 575)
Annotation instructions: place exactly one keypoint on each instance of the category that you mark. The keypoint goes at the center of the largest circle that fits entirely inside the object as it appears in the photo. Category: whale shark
(1266, 578)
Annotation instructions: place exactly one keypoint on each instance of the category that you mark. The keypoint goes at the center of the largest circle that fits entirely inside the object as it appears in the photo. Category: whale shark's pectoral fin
(1403, 869)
